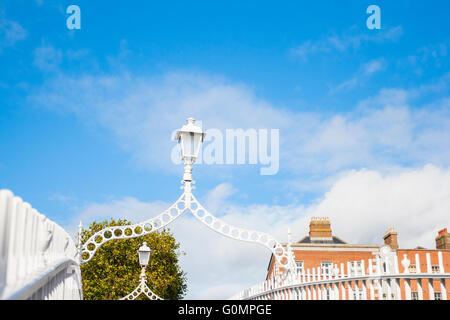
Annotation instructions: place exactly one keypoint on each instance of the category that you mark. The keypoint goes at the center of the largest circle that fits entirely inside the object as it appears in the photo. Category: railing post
(407, 284)
(5, 230)
(337, 291)
(388, 289)
(17, 224)
(430, 289)
(419, 288)
(343, 290)
(364, 290)
(357, 290)
(371, 290)
(398, 293)
(443, 289)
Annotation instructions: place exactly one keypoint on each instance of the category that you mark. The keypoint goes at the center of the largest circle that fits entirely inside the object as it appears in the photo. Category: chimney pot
(390, 238)
(443, 240)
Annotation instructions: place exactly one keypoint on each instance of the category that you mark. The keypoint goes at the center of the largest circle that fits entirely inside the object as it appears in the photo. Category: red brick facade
(321, 248)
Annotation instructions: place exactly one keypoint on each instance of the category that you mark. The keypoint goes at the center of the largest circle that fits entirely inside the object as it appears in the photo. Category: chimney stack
(320, 229)
(443, 240)
(390, 238)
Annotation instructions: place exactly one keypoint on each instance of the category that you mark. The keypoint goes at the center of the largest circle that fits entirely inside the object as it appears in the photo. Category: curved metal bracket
(142, 288)
(89, 248)
(281, 255)
(187, 201)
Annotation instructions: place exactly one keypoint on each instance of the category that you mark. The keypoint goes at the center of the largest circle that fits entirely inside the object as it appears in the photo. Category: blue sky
(86, 115)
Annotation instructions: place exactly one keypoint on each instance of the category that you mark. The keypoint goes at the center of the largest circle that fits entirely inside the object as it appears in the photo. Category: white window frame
(326, 267)
(412, 268)
(435, 268)
(355, 268)
(300, 266)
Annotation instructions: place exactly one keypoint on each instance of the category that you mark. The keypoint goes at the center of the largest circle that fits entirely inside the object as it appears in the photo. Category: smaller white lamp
(144, 254)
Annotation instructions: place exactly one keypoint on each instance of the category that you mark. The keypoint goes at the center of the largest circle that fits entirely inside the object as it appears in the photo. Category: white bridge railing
(383, 281)
(38, 258)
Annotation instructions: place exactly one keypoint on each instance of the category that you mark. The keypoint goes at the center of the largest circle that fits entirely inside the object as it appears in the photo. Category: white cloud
(344, 42)
(216, 198)
(362, 205)
(10, 32)
(381, 132)
(361, 77)
(61, 197)
(47, 58)
(373, 66)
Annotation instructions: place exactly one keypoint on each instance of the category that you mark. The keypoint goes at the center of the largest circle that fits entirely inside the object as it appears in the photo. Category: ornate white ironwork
(89, 248)
(380, 282)
(187, 202)
(142, 288)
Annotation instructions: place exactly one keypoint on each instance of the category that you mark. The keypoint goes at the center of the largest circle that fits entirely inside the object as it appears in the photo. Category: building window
(435, 269)
(412, 268)
(414, 295)
(437, 296)
(326, 267)
(299, 265)
(355, 268)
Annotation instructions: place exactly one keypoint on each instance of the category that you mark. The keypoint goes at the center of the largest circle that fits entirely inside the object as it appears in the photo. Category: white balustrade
(383, 280)
(38, 258)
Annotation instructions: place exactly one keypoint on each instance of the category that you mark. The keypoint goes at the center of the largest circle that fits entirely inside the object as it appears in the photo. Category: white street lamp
(142, 288)
(144, 255)
(190, 137)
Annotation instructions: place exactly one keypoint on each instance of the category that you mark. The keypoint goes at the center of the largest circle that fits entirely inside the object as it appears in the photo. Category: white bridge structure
(40, 261)
(382, 279)
(38, 258)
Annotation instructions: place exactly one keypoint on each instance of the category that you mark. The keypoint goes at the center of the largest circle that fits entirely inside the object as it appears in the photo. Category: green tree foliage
(114, 270)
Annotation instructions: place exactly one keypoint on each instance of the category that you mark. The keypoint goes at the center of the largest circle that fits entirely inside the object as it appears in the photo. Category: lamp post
(190, 137)
(144, 256)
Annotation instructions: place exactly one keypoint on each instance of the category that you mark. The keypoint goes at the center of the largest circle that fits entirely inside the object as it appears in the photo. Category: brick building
(321, 249)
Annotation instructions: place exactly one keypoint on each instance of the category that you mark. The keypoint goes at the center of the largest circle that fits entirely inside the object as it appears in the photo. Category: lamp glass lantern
(144, 254)
(190, 137)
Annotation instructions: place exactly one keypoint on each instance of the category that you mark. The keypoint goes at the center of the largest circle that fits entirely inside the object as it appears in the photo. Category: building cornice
(333, 246)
